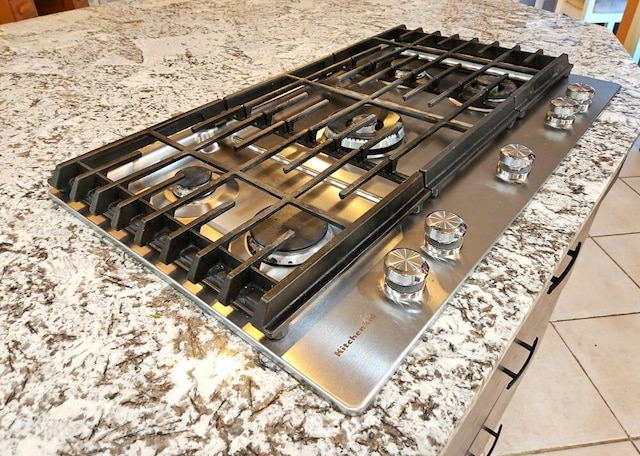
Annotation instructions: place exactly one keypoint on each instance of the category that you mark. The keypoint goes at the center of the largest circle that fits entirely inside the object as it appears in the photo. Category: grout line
(593, 317)
(623, 179)
(591, 381)
(592, 236)
(544, 451)
(625, 183)
(615, 262)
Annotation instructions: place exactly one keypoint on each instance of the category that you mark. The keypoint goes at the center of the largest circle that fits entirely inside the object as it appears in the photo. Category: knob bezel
(444, 234)
(405, 274)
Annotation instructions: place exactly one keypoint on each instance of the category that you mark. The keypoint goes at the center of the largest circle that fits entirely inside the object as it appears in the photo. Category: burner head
(404, 70)
(311, 233)
(496, 95)
(194, 177)
(384, 119)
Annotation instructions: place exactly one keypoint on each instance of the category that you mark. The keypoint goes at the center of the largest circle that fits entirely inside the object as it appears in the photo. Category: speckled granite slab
(99, 356)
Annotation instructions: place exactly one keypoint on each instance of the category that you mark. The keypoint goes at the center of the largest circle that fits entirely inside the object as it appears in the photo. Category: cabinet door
(22, 9)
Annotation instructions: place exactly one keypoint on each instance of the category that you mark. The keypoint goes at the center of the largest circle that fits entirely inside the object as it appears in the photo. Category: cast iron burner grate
(314, 130)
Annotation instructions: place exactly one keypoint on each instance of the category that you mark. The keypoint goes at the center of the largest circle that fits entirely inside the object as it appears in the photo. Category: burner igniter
(405, 273)
(514, 163)
(443, 234)
(562, 113)
(582, 94)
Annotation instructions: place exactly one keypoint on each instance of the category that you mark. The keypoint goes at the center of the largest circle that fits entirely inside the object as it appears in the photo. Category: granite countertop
(99, 356)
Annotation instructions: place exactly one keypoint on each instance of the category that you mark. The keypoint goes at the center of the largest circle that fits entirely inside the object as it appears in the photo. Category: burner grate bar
(370, 64)
(235, 280)
(150, 223)
(430, 82)
(335, 142)
(384, 71)
(351, 61)
(387, 163)
(533, 56)
(263, 116)
(86, 181)
(109, 193)
(126, 210)
(451, 90)
(178, 239)
(362, 150)
(205, 258)
(489, 46)
(288, 123)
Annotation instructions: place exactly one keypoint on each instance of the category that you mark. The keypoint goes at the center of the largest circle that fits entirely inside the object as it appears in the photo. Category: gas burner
(311, 234)
(384, 119)
(193, 178)
(496, 95)
(404, 70)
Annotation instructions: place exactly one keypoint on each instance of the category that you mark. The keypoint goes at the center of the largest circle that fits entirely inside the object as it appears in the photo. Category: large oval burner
(311, 234)
(384, 119)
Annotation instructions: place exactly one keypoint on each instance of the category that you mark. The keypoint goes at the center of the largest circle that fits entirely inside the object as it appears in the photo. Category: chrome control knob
(405, 272)
(443, 234)
(515, 163)
(582, 94)
(561, 113)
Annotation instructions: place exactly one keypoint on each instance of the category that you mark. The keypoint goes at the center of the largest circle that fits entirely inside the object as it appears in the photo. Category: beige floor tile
(596, 287)
(637, 444)
(555, 406)
(618, 213)
(631, 165)
(633, 182)
(625, 251)
(608, 349)
(609, 449)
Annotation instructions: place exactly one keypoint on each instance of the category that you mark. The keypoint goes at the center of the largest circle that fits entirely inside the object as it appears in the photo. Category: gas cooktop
(328, 214)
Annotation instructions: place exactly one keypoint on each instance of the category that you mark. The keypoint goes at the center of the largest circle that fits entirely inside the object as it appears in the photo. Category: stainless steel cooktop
(328, 214)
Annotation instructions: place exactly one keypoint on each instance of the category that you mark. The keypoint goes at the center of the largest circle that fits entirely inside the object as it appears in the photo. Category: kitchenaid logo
(366, 321)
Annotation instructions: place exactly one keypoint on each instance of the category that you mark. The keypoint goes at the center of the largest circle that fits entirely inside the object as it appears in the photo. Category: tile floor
(581, 393)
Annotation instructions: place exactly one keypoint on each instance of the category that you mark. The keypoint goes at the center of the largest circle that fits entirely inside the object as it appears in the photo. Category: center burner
(384, 119)
(311, 234)
(495, 96)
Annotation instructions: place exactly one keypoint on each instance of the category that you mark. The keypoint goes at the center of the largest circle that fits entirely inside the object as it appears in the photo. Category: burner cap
(193, 177)
(407, 68)
(384, 119)
(495, 96)
(309, 230)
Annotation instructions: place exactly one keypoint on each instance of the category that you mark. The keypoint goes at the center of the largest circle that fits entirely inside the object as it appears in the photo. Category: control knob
(443, 234)
(582, 94)
(515, 163)
(561, 113)
(405, 272)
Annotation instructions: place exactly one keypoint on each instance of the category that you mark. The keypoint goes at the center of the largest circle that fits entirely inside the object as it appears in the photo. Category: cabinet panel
(18, 10)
